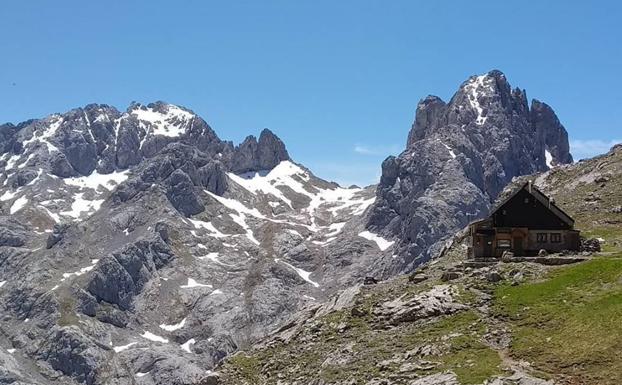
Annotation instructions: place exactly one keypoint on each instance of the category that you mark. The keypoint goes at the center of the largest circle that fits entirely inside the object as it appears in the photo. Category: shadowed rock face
(459, 156)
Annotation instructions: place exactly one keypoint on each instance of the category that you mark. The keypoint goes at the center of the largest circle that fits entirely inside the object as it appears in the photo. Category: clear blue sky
(338, 81)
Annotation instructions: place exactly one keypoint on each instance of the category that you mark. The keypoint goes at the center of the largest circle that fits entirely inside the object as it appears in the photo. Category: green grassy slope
(569, 324)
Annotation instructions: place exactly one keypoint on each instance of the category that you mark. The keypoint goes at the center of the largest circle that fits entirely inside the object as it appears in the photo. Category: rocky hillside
(138, 246)
(455, 321)
(459, 156)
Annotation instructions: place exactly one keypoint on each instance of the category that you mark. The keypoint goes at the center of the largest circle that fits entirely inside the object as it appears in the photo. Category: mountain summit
(459, 156)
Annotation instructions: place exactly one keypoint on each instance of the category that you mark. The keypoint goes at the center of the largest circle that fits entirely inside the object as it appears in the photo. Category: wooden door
(488, 240)
(518, 245)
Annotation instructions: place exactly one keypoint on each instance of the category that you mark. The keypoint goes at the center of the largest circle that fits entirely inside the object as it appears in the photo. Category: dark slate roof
(540, 196)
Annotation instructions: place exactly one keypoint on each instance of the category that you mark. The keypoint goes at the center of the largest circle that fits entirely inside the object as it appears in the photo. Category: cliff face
(459, 156)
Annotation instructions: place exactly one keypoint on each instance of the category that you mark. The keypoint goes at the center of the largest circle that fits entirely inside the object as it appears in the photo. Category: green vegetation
(67, 311)
(246, 367)
(341, 346)
(571, 322)
(611, 234)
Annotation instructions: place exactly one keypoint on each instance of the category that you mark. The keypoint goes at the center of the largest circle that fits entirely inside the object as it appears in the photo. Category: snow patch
(2, 283)
(549, 159)
(18, 205)
(213, 256)
(186, 345)
(170, 328)
(335, 228)
(95, 180)
(451, 151)
(172, 123)
(8, 195)
(46, 134)
(382, 243)
(81, 271)
(153, 337)
(119, 349)
(302, 273)
(288, 174)
(475, 88)
(52, 215)
(294, 232)
(192, 283)
(81, 205)
(214, 232)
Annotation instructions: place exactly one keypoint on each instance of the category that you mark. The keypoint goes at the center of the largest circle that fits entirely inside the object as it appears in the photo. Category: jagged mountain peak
(458, 158)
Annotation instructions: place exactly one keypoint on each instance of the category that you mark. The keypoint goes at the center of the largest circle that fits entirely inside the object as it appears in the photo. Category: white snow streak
(81, 205)
(288, 174)
(549, 159)
(81, 271)
(18, 205)
(382, 243)
(192, 283)
(451, 151)
(173, 123)
(119, 349)
(8, 195)
(153, 337)
(302, 273)
(46, 135)
(207, 226)
(213, 256)
(107, 181)
(475, 88)
(170, 328)
(186, 345)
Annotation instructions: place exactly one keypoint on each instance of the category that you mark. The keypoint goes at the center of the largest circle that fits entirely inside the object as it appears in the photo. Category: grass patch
(247, 368)
(356, 353)
(571, 323)
(68, 315)
(611, 234)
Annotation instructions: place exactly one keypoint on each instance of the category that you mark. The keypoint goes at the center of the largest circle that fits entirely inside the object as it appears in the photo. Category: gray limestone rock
(459, 157)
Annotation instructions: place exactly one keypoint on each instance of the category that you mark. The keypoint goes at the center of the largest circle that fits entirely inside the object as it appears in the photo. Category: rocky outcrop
(253, 155)
(119, 277)
(459, 157)
(12, 233)
(554, 134)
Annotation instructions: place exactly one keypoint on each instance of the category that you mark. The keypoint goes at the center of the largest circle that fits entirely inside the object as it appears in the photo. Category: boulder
(493, 276)
(450, 276)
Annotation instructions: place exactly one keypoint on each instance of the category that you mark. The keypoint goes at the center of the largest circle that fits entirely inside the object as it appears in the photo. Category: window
(541, 237)
(504, 243)
(556, 238)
